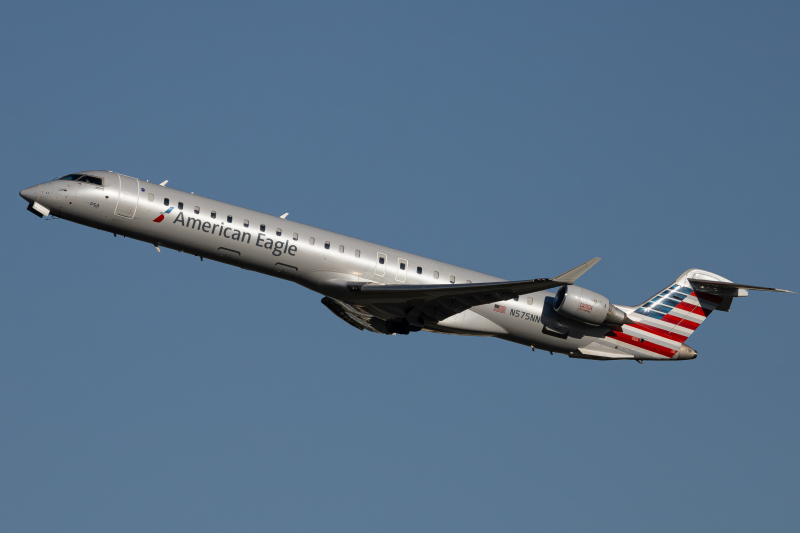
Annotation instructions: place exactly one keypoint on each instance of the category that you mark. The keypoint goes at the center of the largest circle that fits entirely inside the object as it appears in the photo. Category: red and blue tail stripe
(666, 320)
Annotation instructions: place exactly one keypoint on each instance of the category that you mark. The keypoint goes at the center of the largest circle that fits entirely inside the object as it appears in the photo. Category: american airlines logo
(227, 232)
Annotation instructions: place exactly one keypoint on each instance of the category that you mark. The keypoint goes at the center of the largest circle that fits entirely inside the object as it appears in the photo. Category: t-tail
(662, 324)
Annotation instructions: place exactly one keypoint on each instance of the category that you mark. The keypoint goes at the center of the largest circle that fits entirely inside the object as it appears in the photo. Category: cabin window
(197, 210)
(516, 298)
(468, 281)
(402, 265)
(358, 253)
(530, 301)
(278, 232)
(295, 236)
(381, 260)
(230, 219)
(419, 270)
(435, 275)
(452, 279)
(151, 197)
(327, 245)
(311, 241)
(213, 214)
(180, 206)
(341, 248)
(166, 201)
(263, 227)
(246, 223)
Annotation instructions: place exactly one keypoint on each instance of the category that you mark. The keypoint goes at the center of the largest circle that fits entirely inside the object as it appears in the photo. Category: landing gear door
(128, 197)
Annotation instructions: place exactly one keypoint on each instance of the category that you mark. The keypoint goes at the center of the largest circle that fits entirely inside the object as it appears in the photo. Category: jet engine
(587, 306)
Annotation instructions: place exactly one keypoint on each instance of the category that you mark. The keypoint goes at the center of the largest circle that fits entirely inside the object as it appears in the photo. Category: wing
(405, 308)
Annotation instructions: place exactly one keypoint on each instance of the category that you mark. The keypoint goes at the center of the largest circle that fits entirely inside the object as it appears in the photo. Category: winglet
(571, 276)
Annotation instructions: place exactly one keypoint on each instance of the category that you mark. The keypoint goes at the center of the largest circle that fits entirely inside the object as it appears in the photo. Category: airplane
(383, 290)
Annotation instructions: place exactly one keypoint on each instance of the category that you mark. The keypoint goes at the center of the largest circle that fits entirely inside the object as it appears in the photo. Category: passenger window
(341, 248)
(311, 241)
(295, 236)
(180, 206)
(516, 298)
(402, 266)
(246, 223)
(381, 260)
(452, 279)
(468, 281)
(213, 214)
(435, 275)
(278, 232)
(166, 201)
(419, 270)
(327, 245)
(358, 253)
(530, 301)
(197, 210)
(151, 197)
(230, 219)
(263, 227)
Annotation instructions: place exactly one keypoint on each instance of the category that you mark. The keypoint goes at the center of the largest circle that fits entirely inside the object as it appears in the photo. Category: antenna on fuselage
(284, 215)
(163, 183)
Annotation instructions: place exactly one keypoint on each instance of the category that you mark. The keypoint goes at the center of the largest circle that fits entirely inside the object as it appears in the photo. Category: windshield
(82, 178)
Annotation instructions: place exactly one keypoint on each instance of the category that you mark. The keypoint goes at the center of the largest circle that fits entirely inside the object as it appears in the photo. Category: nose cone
(686, 352)
(30, 194)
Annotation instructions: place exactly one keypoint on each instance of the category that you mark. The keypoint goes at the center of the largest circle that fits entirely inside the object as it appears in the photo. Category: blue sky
(151, 391)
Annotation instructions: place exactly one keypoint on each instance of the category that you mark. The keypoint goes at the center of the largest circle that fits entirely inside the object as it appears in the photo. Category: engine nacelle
(587, 306)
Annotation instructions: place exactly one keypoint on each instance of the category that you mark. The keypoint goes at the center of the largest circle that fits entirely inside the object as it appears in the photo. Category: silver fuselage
(317, 259)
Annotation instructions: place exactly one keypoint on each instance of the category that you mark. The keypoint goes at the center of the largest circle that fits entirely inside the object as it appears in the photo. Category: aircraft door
(380, 265)
(128, 197)
(402, 265)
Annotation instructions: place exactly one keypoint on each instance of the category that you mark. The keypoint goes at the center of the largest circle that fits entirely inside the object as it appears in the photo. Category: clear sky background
(145, 391)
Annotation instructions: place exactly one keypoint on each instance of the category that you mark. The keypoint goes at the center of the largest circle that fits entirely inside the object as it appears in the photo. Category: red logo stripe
(696, 309)
(641, 343)
(658, 331)
(682, 322)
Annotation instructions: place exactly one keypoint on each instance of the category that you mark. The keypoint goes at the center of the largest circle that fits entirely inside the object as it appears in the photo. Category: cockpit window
(85, 179)
(92, 180)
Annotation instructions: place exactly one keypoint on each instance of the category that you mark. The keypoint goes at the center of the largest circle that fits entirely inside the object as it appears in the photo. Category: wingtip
(571, 276)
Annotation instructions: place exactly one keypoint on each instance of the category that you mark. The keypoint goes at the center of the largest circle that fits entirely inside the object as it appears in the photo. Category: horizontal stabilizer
(729, 289)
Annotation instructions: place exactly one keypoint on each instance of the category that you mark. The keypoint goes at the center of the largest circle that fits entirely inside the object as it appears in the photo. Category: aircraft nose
(30, 193)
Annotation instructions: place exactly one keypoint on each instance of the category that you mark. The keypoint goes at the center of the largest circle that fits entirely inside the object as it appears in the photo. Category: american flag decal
(500, 308)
